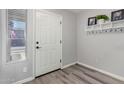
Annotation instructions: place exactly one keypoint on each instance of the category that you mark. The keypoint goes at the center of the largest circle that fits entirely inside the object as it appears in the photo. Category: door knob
(37, 47)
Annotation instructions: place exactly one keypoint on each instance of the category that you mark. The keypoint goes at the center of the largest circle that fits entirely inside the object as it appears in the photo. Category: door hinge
(60, 22)
(60, 60)
(60, 41)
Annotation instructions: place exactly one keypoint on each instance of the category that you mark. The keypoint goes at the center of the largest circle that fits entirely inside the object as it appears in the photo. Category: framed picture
(91, 21)
(117, 15)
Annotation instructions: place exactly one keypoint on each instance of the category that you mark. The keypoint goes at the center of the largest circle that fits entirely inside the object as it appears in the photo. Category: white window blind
(17, 28)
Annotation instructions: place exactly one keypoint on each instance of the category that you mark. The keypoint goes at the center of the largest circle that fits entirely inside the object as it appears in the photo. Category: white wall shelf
(115, 26)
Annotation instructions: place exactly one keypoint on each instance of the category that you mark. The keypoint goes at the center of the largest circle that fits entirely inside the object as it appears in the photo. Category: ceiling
(77, 10)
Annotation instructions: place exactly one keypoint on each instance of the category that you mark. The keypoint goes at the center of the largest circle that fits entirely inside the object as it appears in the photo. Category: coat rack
(109, 27)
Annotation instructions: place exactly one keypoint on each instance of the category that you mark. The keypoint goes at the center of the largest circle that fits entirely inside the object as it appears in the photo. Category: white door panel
(48, 34)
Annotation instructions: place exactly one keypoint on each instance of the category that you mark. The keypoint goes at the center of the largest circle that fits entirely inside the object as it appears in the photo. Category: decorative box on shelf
(115, 26)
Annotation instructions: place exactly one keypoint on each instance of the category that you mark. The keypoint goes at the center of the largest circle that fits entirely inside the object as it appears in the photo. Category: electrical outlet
(25, 69)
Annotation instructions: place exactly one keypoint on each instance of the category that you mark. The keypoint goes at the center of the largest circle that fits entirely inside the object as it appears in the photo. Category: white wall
(69, 52)
(103, 51)
(10, 73)
(13, 72)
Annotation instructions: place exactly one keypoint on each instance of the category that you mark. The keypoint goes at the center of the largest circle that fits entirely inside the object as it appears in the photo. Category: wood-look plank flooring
(75, 74)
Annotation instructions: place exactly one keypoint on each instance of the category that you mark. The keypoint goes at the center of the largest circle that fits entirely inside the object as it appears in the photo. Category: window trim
(10, 50)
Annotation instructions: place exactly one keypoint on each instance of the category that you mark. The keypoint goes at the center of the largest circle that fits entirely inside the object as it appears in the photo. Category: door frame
(34, 36)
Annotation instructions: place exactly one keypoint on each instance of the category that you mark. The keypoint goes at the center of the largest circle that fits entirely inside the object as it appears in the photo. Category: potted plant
(102, 18)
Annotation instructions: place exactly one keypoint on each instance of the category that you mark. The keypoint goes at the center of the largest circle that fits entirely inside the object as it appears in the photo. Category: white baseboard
(68, 65)
(80, 63)
(24, 81)
(31, 78)
(102, 71)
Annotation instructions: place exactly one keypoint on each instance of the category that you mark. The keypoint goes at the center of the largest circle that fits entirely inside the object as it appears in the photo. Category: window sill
(16, 61)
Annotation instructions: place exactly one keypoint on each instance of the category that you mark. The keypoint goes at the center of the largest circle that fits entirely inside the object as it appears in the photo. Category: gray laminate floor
(75, 74)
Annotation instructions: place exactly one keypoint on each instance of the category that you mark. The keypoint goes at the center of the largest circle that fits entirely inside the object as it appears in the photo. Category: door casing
(34, 36)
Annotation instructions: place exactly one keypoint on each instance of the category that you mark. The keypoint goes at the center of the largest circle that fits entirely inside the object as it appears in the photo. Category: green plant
(98, 17)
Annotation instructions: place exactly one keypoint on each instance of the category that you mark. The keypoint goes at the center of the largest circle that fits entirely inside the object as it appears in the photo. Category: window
(17, 29)
(17, 20)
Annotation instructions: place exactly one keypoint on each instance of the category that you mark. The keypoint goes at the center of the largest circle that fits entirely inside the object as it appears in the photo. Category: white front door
(48, 46)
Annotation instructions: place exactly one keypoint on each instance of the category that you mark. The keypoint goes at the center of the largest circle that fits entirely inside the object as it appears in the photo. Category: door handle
(37, 47)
